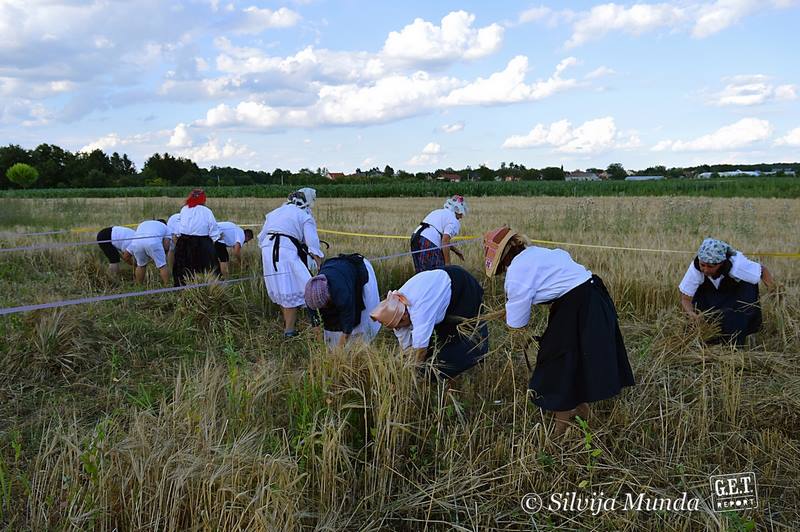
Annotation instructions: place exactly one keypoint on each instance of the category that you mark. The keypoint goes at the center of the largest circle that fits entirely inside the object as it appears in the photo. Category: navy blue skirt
(456, 352)
(735, 304)
(582, 356)
(428, 257)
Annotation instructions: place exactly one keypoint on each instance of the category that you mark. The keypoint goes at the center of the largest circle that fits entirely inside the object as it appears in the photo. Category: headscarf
(196, 197)
(299, 199)
(714, 251)
(457, 204)
(390, 311)
(317, 294)
(310, 194)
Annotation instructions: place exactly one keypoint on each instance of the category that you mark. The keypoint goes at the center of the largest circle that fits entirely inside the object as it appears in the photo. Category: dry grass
(189, 411)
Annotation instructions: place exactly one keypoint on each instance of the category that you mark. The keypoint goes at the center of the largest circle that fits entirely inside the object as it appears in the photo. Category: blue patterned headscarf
(714, 251)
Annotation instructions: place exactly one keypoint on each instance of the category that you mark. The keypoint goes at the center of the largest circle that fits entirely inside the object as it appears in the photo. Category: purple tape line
(64, 303)
(56, 245)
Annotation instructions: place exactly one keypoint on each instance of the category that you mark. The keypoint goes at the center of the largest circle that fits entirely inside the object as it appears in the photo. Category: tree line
(50, 166)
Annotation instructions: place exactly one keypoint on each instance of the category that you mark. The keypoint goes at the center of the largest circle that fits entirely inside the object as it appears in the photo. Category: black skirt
(222, 251)
(735, 304)
(193, 254)
(582, 356)
(456, 352)
(104, 241)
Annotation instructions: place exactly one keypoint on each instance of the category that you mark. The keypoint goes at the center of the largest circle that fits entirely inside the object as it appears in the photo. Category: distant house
(453, 178)
(510, 178)
(333, 176)
(577, 175)
(644, 177)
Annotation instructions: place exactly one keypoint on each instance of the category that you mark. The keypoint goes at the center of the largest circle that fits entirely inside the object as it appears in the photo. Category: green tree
(616, 171)
(22, 174)
(388, 171)
(553, 173)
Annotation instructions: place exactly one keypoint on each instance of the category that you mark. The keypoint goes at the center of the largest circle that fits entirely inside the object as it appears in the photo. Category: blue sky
(416, 85)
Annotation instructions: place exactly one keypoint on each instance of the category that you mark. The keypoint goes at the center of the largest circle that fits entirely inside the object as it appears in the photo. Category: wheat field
(188, 411)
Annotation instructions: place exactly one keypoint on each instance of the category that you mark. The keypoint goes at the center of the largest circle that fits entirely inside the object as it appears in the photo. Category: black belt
(302, 249)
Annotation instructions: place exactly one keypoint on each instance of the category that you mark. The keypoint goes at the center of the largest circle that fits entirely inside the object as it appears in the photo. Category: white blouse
(742, 269)
(120, 237)
(231, 234)
(293, 221)
(442, 222)
(539, 275)
(428, 295)
(198, 221)
(173, 224)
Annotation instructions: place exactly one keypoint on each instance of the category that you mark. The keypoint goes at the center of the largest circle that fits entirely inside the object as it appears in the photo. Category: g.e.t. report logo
(734, 492)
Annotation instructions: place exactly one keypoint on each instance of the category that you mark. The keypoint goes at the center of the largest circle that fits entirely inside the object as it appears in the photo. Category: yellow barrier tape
(470, 237)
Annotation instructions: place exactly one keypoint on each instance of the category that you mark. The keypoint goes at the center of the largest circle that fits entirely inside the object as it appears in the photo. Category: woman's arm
(446, 248)
(688, 307)
(766, 276)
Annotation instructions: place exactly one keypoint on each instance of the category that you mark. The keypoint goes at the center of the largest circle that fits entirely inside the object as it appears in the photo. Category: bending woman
(724, 282)
(582, 357)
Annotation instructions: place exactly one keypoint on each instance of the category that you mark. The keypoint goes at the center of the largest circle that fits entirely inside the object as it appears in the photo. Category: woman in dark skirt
(724, 283)
(437, 300)
(194, 250)
(582, 356)
(344, 292)
(431, 242)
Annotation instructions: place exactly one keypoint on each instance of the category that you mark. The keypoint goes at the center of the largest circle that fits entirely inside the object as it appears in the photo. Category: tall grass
(190, 412)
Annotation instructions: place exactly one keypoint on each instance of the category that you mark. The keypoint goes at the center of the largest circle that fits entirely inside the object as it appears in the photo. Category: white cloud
(741, 134)
(180, 137)
(453, 128)
(429, 156)
(593, 136)
(533, 14)
(508, 86)
(600, 72)
(256, 20)
(635, 20)
(213, 151)
(702, 19)
(424, 42)
(112, 140)
(252, 114)
(753, 90)
(792, 138)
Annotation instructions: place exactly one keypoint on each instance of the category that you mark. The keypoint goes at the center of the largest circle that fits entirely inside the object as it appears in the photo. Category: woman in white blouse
(724, 282)
(582, 356)
(431, 241)
(194, 248)
(288, 237)
(437, 300)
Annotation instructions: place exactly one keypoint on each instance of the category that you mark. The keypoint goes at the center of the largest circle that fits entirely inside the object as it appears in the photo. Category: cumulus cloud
(214, 151)
(593, 136)
(456, 38)
(256, 20)
(635, 20)
(753, 90)
(453, 128)
(600, 72)
(180, 137)
(430, 155)
(701, 19)
(741, 134)
(105, 143)
(792, 138)
(508, 86)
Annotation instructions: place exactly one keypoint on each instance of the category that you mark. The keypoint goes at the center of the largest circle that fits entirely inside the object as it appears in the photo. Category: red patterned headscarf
(196, 197)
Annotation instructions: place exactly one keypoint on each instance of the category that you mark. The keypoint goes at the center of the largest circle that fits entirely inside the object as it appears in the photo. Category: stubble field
(188, 411)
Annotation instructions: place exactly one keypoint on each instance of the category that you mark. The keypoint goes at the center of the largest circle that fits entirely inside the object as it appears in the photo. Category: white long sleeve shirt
(120, 237)
(539, 275)
(742, 269)
(231, 234)
(293, 221)
(442, 222)
(428, 294)
(198, 221)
